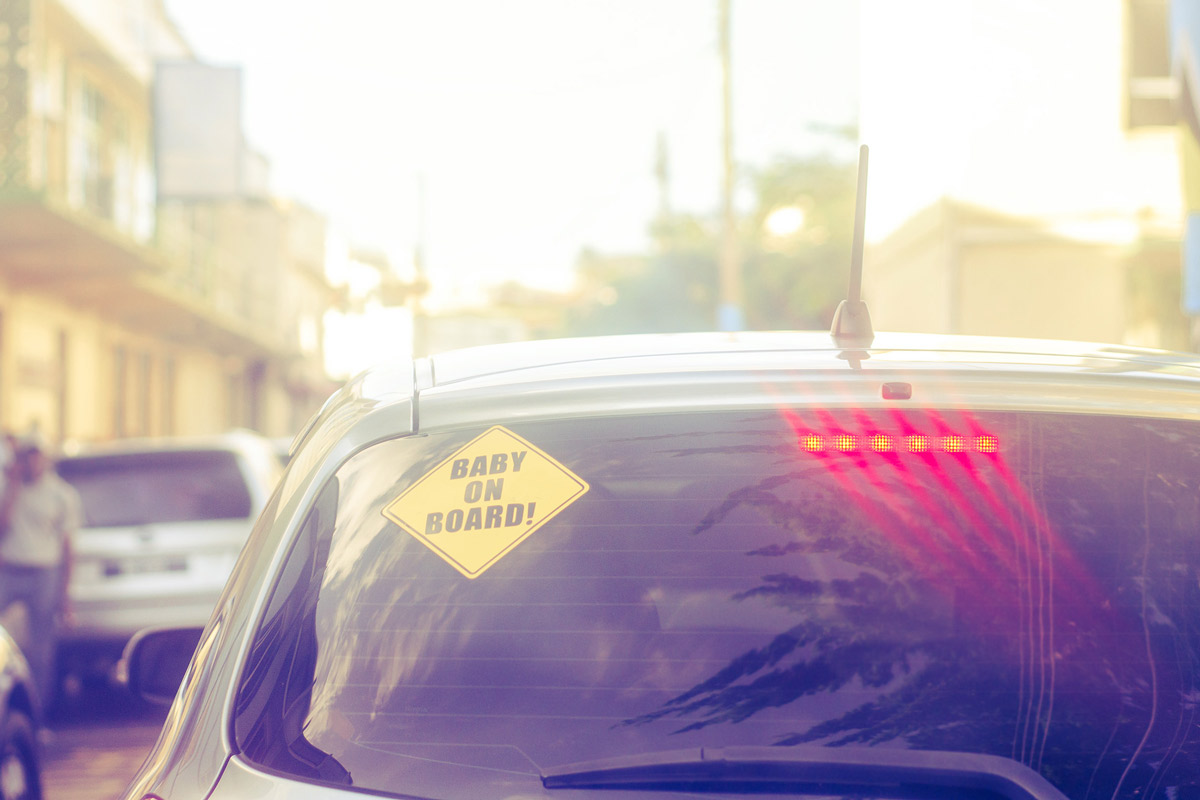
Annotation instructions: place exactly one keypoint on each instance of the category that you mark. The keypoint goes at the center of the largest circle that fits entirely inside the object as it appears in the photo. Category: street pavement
(95, 746)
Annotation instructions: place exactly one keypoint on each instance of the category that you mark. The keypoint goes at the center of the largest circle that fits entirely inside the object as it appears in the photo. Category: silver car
(164, 521)
(20, 723)
(713, 565)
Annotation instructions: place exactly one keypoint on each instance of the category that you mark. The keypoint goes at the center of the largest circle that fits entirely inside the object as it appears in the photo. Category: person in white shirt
(39, 515)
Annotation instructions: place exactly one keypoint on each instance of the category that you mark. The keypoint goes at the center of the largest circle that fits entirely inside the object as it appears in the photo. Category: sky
(529, 127)
(506, 137)
(1014, 105)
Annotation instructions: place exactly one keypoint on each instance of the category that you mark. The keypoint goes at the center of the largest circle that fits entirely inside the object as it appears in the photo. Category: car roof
(666, 373)
(747, 350)
(689, 371)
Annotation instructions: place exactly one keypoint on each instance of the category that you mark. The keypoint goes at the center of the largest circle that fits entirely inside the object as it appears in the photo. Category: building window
(120, 391)
(1150, 88)
(102, 150)
(62, 381)
(91, 170)
(234, 404)
(168, 396)
(142, 394)
(48, 161)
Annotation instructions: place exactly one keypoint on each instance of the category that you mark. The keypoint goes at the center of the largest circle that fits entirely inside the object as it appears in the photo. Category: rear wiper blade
(893, 773)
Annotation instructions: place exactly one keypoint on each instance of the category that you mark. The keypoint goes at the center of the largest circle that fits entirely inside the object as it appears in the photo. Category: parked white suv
(164, 521)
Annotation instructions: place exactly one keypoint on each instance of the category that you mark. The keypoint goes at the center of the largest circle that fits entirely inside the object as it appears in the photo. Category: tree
(795, 278)
(791, 279)
(669, 292)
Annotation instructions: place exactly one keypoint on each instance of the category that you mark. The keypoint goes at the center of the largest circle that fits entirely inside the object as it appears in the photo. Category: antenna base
(852, 325)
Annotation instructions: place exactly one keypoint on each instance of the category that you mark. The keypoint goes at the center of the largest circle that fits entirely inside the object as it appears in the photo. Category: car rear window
(159, 487)
(1012, 584)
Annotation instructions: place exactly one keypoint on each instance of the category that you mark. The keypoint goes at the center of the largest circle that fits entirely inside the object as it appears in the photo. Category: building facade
(1039, 193)
(957, 268)
(124, 311)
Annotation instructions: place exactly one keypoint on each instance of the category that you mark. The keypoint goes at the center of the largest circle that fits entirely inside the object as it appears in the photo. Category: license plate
(143, 566)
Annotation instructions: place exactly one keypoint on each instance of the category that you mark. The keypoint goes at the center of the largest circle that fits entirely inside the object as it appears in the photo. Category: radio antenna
(852, 322)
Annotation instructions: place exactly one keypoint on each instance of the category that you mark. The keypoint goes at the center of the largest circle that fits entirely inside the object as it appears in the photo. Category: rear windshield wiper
(887, 773)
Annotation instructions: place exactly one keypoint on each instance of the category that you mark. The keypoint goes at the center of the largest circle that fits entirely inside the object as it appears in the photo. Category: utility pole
(420, 327)
(729, 308)
(662, 173)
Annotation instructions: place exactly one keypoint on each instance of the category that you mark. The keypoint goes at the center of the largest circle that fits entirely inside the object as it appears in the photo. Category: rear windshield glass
(1018, 585)
(148, 488)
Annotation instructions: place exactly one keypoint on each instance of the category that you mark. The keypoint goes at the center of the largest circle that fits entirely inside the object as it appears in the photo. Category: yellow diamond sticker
(483, 501)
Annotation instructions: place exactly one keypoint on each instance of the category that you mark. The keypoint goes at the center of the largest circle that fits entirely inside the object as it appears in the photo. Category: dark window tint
(147, 488)
(1019, 586)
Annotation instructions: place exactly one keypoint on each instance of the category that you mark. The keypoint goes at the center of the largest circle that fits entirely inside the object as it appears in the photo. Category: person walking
(39, 516)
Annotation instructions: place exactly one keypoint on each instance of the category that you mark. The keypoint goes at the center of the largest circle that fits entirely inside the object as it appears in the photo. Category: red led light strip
(880, 442)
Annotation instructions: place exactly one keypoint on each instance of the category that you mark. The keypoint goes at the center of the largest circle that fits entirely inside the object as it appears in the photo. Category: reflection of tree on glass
(1032, 607)
(726, 582)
